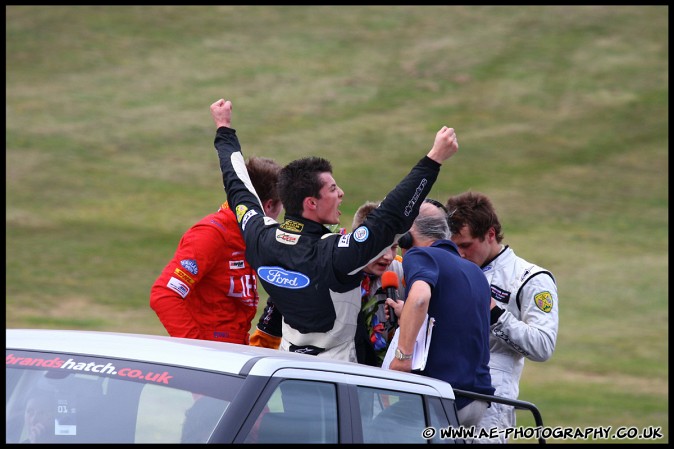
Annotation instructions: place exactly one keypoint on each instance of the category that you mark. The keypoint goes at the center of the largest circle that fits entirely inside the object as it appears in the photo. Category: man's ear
(491, 234)
(309, 203)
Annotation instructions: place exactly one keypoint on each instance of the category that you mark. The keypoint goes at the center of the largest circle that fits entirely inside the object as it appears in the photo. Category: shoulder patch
(190, 265)
(240, 210)
(361, 234)
(184, 276)
(178, 286)
(344, 241)
(543, 301)
(246, 217)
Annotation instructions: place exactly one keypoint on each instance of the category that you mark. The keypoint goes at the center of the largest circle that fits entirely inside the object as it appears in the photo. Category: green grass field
(562, 117)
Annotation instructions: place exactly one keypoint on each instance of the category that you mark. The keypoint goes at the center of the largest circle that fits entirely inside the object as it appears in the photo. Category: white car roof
(202, 354)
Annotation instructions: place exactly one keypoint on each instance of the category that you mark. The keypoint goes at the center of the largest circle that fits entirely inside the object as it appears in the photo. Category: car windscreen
(65, 398)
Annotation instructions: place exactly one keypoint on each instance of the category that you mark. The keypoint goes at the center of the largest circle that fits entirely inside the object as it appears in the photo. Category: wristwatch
(402, 356)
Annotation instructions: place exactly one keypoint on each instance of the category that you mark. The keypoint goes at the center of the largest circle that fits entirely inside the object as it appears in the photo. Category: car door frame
(242, 416)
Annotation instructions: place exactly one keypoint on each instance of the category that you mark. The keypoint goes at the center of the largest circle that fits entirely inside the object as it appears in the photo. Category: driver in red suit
(208, 290)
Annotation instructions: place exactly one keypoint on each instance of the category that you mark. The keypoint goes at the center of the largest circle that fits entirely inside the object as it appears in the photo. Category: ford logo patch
(283, 278)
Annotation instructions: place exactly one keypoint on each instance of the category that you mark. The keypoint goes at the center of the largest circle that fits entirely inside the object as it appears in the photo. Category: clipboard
(421, 346)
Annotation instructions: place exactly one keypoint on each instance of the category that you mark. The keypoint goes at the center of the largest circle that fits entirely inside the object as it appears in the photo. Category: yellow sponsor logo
(290, 225)
(240, 212)
(184, 276)
(544, 301)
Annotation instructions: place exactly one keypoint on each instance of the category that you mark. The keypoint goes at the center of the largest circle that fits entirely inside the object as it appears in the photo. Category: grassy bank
(561, 112)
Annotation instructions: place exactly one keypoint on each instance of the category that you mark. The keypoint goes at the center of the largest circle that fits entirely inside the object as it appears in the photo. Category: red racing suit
(208, 290)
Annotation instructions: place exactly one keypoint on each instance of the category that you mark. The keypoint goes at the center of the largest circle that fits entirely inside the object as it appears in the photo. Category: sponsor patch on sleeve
(544, 301)
(361, 234)
(184, 276)
(244, 220)
(190, 265)
(178, 286)
(240, 210)
(344, 241)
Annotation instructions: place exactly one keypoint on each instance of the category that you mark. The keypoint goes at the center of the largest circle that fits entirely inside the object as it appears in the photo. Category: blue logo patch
(283, 278)
(361, 234)
(190, 265)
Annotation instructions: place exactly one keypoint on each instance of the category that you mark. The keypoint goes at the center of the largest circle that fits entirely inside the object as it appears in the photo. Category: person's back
(459, 350)
(314, 275)
(208, 290)
(454, 293)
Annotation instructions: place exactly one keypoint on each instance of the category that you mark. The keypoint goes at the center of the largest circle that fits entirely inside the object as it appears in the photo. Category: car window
(389, 416)
(61, 398)
(298, 411)
(438, 417)
(168, 415)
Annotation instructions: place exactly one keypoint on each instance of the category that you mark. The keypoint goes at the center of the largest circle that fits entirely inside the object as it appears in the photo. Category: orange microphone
(390, 284)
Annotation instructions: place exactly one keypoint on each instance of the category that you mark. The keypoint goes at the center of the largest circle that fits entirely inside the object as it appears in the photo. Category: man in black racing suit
(312, 274)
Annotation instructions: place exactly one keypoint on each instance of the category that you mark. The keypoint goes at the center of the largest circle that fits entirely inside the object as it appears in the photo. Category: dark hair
(405, 241)
(476, 211)
(301, 179)
(264, 174)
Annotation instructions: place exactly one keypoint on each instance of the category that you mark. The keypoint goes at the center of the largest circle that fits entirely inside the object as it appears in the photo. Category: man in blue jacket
(454, 292)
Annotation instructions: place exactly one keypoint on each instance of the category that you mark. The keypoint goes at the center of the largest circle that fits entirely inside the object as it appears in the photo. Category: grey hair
(433, 227)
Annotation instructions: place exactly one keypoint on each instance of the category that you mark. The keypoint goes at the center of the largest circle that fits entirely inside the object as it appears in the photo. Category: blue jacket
(460, 298)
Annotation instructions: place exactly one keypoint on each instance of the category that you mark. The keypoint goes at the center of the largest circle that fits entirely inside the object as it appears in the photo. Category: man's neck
(495, 251)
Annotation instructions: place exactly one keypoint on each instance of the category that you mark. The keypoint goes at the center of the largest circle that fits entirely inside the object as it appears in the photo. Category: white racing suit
(523, 325)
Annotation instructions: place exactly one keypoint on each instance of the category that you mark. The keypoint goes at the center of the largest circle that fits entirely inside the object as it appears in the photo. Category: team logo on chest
(499, 294)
